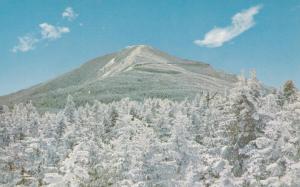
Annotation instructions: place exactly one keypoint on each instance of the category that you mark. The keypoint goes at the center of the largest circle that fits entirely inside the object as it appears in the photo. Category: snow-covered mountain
(136, 72)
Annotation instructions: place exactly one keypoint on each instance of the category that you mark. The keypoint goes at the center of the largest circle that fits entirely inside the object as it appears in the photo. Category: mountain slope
(136, 72)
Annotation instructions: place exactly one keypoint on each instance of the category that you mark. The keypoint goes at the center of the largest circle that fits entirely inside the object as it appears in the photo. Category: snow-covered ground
(243, 138)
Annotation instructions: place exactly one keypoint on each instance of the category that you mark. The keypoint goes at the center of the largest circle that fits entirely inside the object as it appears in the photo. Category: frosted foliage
(246, 138)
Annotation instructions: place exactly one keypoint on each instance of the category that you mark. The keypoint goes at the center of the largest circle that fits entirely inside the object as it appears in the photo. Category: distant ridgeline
(137, 72)
(244, 138)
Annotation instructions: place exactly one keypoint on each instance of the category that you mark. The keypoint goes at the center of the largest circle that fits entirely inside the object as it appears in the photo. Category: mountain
(136, 72)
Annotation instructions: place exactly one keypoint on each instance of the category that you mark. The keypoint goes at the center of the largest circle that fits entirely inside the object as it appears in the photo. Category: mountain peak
(132, 55)
(138, 71)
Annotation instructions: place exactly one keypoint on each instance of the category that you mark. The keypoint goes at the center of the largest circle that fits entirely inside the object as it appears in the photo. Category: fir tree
(289, 91)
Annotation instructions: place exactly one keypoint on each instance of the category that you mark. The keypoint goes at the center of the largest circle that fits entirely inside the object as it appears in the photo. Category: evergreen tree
(289, 91)
(69, 110)
(244, 139)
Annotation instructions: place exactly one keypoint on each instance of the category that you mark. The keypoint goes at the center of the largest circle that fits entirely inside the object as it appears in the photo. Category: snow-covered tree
(250, 137)
(289, 91)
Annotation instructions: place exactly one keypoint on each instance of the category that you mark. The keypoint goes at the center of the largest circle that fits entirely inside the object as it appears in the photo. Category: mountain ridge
(137, 72)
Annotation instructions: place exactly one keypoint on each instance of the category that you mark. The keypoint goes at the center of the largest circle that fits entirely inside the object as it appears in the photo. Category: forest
(248, 137)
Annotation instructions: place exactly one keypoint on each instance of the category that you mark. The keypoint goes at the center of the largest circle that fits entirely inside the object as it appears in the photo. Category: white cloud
(241, 22)
(51, 32)
(47, 32)
(69, 14)
(26, 43)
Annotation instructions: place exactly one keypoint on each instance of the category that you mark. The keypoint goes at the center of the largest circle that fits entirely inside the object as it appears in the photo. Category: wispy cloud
(46, 32)
(52, 32)
(69, 14)
(241, 22)
(26, 43)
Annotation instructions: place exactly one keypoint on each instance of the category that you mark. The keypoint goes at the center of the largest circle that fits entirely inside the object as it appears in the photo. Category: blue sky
(42, 39)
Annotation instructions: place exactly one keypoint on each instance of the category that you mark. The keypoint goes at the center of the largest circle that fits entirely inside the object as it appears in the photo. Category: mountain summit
(136, 72)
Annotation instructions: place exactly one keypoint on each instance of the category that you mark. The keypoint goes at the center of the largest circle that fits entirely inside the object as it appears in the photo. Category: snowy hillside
(243, 138)
(136, 72)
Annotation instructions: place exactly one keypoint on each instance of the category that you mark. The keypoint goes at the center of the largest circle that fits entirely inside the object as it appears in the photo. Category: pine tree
(289, 91)
(70, 109)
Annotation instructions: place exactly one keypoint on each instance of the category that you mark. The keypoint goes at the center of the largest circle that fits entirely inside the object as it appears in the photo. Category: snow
(53, 178)
(138, 72)
(245, 138)
(140, 54)
(113, 67)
